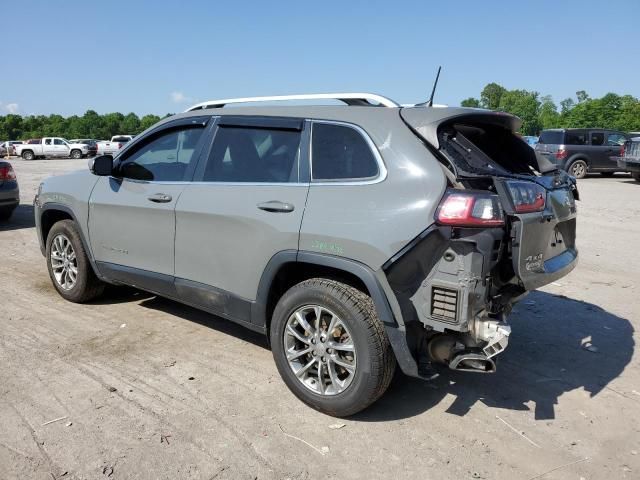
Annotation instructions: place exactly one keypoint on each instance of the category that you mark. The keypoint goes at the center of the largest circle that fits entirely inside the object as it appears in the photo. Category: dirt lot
(143, 387)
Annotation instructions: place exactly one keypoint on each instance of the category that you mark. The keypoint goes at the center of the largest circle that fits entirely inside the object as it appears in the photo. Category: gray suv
(356, 237)
(582, 150)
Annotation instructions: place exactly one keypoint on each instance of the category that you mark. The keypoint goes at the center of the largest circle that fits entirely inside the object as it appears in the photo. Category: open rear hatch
(479, 150)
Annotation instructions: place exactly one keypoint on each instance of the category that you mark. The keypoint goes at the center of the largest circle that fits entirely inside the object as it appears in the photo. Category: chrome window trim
(234, 184)
(382, 169)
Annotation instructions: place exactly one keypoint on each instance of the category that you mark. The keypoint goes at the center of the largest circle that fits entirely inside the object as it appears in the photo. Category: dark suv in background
(582, 150)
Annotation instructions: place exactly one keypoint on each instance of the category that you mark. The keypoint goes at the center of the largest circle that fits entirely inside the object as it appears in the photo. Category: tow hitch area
(471, 351)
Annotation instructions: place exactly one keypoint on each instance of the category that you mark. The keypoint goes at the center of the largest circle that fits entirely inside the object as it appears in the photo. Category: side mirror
(102, 165)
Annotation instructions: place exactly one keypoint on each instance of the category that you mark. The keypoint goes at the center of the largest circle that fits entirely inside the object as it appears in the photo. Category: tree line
(89, 125)
(617, 112)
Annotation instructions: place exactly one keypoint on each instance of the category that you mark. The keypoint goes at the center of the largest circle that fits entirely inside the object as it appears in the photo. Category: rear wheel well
(49, 219)
(291, 274)
(579, 157)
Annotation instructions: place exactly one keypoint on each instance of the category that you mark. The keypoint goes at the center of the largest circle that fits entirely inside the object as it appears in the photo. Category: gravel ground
(135, 386)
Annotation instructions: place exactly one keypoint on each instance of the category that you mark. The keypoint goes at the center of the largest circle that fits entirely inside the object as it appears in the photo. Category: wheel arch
(287, 268)
(578, 156)
(52, 213)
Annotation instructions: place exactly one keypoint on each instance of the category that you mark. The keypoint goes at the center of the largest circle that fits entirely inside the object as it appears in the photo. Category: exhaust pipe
(472, 362)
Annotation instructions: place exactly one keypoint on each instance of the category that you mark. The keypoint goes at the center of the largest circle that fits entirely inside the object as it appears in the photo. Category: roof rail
(356, 99)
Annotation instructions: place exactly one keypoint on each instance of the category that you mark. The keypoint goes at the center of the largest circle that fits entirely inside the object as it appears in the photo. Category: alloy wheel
(320, 350)
(64, 263)
(578, 170)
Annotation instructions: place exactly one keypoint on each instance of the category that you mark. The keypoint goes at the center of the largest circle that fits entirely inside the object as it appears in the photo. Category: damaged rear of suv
(356, 238)
(506, 225)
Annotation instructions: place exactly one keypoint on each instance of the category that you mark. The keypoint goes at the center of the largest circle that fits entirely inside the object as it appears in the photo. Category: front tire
(578, 168)
(76, 154)
(330, 347)
(69, 267)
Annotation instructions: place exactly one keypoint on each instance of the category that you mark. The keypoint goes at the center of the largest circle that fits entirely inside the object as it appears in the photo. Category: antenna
(435, 84)
(429, 103)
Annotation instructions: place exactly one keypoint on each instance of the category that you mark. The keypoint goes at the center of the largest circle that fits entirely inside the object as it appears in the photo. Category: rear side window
(248, 155)
(551, 137)
(340, 152)
(165, 157)
(576, 138)
(597, 138)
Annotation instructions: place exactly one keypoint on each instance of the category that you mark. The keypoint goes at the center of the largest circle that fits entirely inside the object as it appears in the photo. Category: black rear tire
(87, 286)
(578, 168)
(375, 360)
(28, 155)
(6, 212)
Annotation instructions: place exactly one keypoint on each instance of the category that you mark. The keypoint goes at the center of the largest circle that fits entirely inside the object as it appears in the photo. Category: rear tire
(6, 212)
(76, 154)
(342, 380)
(69, 267)
(28, 155)
(578, 168)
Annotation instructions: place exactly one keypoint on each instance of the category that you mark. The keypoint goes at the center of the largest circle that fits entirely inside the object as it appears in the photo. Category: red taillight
(561, 154)
(470, 209)
(7, 173)
(622, 150)
(119, 145)
(527, 196)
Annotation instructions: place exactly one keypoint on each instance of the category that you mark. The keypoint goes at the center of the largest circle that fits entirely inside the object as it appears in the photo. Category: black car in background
(91, 143)
(582, 150)
(9, 192)
(630, 158)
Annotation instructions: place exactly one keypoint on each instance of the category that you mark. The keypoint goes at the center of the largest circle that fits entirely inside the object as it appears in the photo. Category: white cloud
(179, 97)
(11, 107)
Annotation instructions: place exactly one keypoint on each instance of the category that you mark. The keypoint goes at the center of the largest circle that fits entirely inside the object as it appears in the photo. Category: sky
(162, 56)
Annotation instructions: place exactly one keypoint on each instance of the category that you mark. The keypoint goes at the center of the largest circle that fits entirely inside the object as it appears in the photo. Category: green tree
(525, 105)
(130, 124)
(549, 116)
(491, 95)
(147, 121)
(566, 105)
(470, 102)
(582, 96)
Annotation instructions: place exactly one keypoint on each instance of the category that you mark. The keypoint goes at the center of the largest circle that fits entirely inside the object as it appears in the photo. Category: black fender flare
(66, 209)
(394, 326)
(577, 156)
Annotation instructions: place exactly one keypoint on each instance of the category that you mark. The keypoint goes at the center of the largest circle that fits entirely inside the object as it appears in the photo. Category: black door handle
(276, 207)
(160, 198)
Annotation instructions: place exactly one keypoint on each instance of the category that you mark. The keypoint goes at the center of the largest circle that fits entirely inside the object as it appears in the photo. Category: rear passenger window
(245, 154)
(576, 138)
(341, 153)
(597, 138)
(164, 158)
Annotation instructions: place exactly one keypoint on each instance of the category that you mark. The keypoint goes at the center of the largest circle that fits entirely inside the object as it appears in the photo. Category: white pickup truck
(112, 147)
(49, 147)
